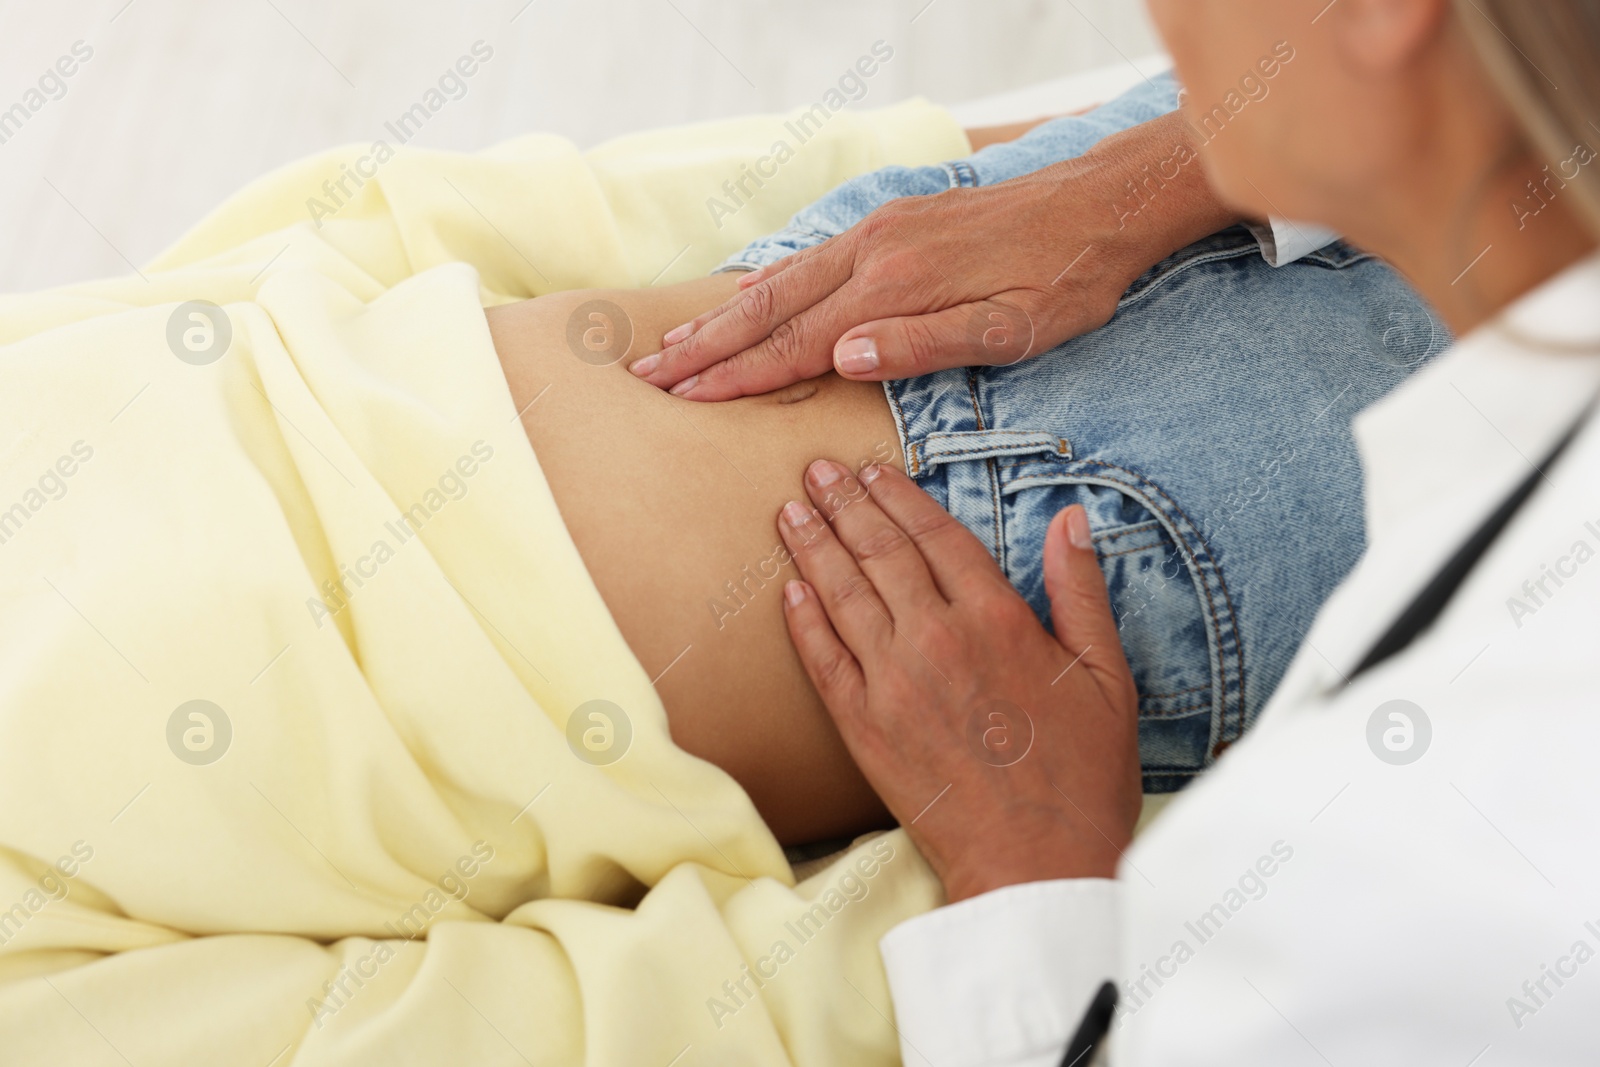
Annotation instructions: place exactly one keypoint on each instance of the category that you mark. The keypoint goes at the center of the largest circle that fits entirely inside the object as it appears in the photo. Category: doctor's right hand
(1009, 755)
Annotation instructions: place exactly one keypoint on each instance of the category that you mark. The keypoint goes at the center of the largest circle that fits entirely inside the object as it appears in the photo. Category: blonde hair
(1544, 55)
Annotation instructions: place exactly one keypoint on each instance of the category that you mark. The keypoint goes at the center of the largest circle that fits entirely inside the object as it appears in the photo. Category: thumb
(986, 333)
(1080, 607)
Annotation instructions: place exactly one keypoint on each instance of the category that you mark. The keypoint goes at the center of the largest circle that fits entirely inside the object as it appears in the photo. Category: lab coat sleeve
(1002, 979)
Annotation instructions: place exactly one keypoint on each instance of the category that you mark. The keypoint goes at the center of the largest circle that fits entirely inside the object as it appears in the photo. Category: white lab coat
(1314, 899)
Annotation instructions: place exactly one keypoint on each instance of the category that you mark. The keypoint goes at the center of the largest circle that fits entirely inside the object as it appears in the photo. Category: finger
(750, 317)
(986, 333)
(956, 559)
(761, 274)
(747, 278)
(648, 366)
(829, 664)
(883, 551)
(688, 329)
(1080, 606)
(858, 615)
(795, 351)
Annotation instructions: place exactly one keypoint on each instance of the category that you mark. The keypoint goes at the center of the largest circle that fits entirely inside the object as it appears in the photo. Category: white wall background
(186, 100)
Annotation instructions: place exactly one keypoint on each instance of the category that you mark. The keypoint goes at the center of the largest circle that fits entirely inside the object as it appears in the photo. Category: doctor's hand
(1008, 755)
(986, 275)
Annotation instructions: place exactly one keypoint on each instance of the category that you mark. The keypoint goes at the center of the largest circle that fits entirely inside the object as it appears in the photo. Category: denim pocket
(1158, 615)
(1167, 628)
(1207, 430)
(1007, 485)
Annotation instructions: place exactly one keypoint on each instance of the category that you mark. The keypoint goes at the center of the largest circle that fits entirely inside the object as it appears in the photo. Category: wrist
(974, 880)
(1154, 198)
(989, 860)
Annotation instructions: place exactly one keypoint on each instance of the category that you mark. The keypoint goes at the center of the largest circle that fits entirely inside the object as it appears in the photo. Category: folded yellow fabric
(292, 640)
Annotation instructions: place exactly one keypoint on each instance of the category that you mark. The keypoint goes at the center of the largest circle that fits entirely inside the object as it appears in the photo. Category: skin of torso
(672, 504)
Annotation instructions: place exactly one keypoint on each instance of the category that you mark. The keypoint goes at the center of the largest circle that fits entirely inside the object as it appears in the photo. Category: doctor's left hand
(1009, 755)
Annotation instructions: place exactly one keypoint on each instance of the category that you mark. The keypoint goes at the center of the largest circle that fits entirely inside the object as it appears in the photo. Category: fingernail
(678, 333)
(870, 472)
(1078, 528)
(859, 355)
(644, 366)
(824, 473)
(796, 514)
(747, 280)
(687, 384)
(794, 592)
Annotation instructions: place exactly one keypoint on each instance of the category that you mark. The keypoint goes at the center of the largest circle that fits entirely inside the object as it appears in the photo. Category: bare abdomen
(672, 505)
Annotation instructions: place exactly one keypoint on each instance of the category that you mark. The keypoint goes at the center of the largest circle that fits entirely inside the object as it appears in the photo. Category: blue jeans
(1206, 428)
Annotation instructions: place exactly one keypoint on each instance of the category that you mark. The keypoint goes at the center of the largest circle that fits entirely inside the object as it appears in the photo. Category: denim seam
(1008, 433)
(1062, 454)
(1317, 258)
(1228, 643)
(991, 471)
(1226, 652)
(961, 174)
(1128, 531)
(1224, 635)
(891, 389)
(1131, 297)
(1062, 448)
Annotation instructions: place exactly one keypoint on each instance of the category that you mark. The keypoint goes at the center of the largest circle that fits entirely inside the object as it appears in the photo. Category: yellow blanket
(293, 645)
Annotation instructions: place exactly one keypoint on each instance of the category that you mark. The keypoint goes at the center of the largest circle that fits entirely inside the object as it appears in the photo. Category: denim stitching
(1203, 563)
(1319, 258)
(1231, 633)
(951, 453)
(1025, 466)
(994, 480)
(1006, 433)
(1128, 531)
(1229, 705)
(1133, 296)
(913, 461)
(961, 174)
